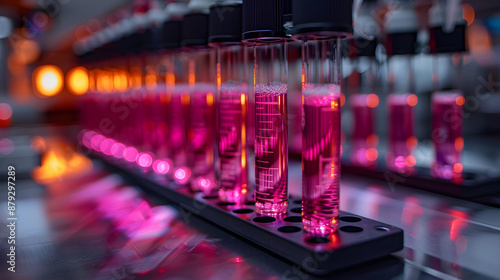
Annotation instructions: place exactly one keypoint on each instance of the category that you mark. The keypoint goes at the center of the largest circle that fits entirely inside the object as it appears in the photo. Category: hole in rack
(351, 229)
(296, 210)
(381, 228)
(250, 203)
(298, 201)
(226, 203)
(242, 211)
(210, 197)
(289, 229)
(293, 219)
(318, 240)
(350, 219)
(264, 219)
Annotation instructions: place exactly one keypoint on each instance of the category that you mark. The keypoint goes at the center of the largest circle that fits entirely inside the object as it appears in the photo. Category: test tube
(364, 139)
(267, 37)
(447, 43)
(201, 66)
(232, 99)
(319, 29)
(447, 134)
(401, 26)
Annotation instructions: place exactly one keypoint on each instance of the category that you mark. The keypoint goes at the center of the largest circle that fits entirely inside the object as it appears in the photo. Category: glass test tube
(321, 135)
(402, 140)
(271, 147)
(202, 121)
(232, 119)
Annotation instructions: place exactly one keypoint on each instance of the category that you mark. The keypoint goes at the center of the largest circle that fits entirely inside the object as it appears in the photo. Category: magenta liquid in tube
(271, 148)
(268, 38)
(447, 134)
(402, 141)
(364, 139)
(321, 32)
(232, 131)
(320, 157)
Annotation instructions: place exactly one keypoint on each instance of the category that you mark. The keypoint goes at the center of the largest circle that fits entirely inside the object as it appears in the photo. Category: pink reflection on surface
(162, 166)
(130, 154)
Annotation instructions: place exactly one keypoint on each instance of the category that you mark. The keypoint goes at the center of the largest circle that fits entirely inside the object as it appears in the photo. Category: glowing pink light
(130, 154)
(95, 142)
(144, 160)
(86, 138)
(106, 145)
(182, 175)
(117, 150)
(161, 166)
(400, 161)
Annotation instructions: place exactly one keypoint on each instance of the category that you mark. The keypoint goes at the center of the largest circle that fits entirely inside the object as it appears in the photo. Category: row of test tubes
(202, 116)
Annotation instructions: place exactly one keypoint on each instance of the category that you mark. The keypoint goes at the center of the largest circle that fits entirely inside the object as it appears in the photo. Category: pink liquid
(233, 185)
(320, 159)
(177, 120)
(202, 139)
(447, 135)
(399, 156)
(364, 139)
(271, 149)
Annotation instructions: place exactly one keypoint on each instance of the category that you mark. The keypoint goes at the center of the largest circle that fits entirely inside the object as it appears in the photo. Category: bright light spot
(144, 160)
(117, 150)
(77, 80)
(410, 161)
(161, 166)
(210, 99)
(412, 100)
(372, 100)
(460, 100)
(106, 146)
(458, 167)
(130, 154)
(342, 99)
(243, 98)
(182, 175)
(48, 80)
(400, 162)
(371, 154)
(95, 142)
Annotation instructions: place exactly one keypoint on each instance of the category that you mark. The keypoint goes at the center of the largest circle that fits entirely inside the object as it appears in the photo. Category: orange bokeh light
(372, 100)
(371, 154)
(48, 80)
(458, 167)
(411, 142)
(410, 161)
(460, 100)
(77, 80)
(412, 100)
(459, 143)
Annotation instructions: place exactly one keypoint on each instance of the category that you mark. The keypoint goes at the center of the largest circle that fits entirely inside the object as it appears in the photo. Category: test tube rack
(357, 241)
